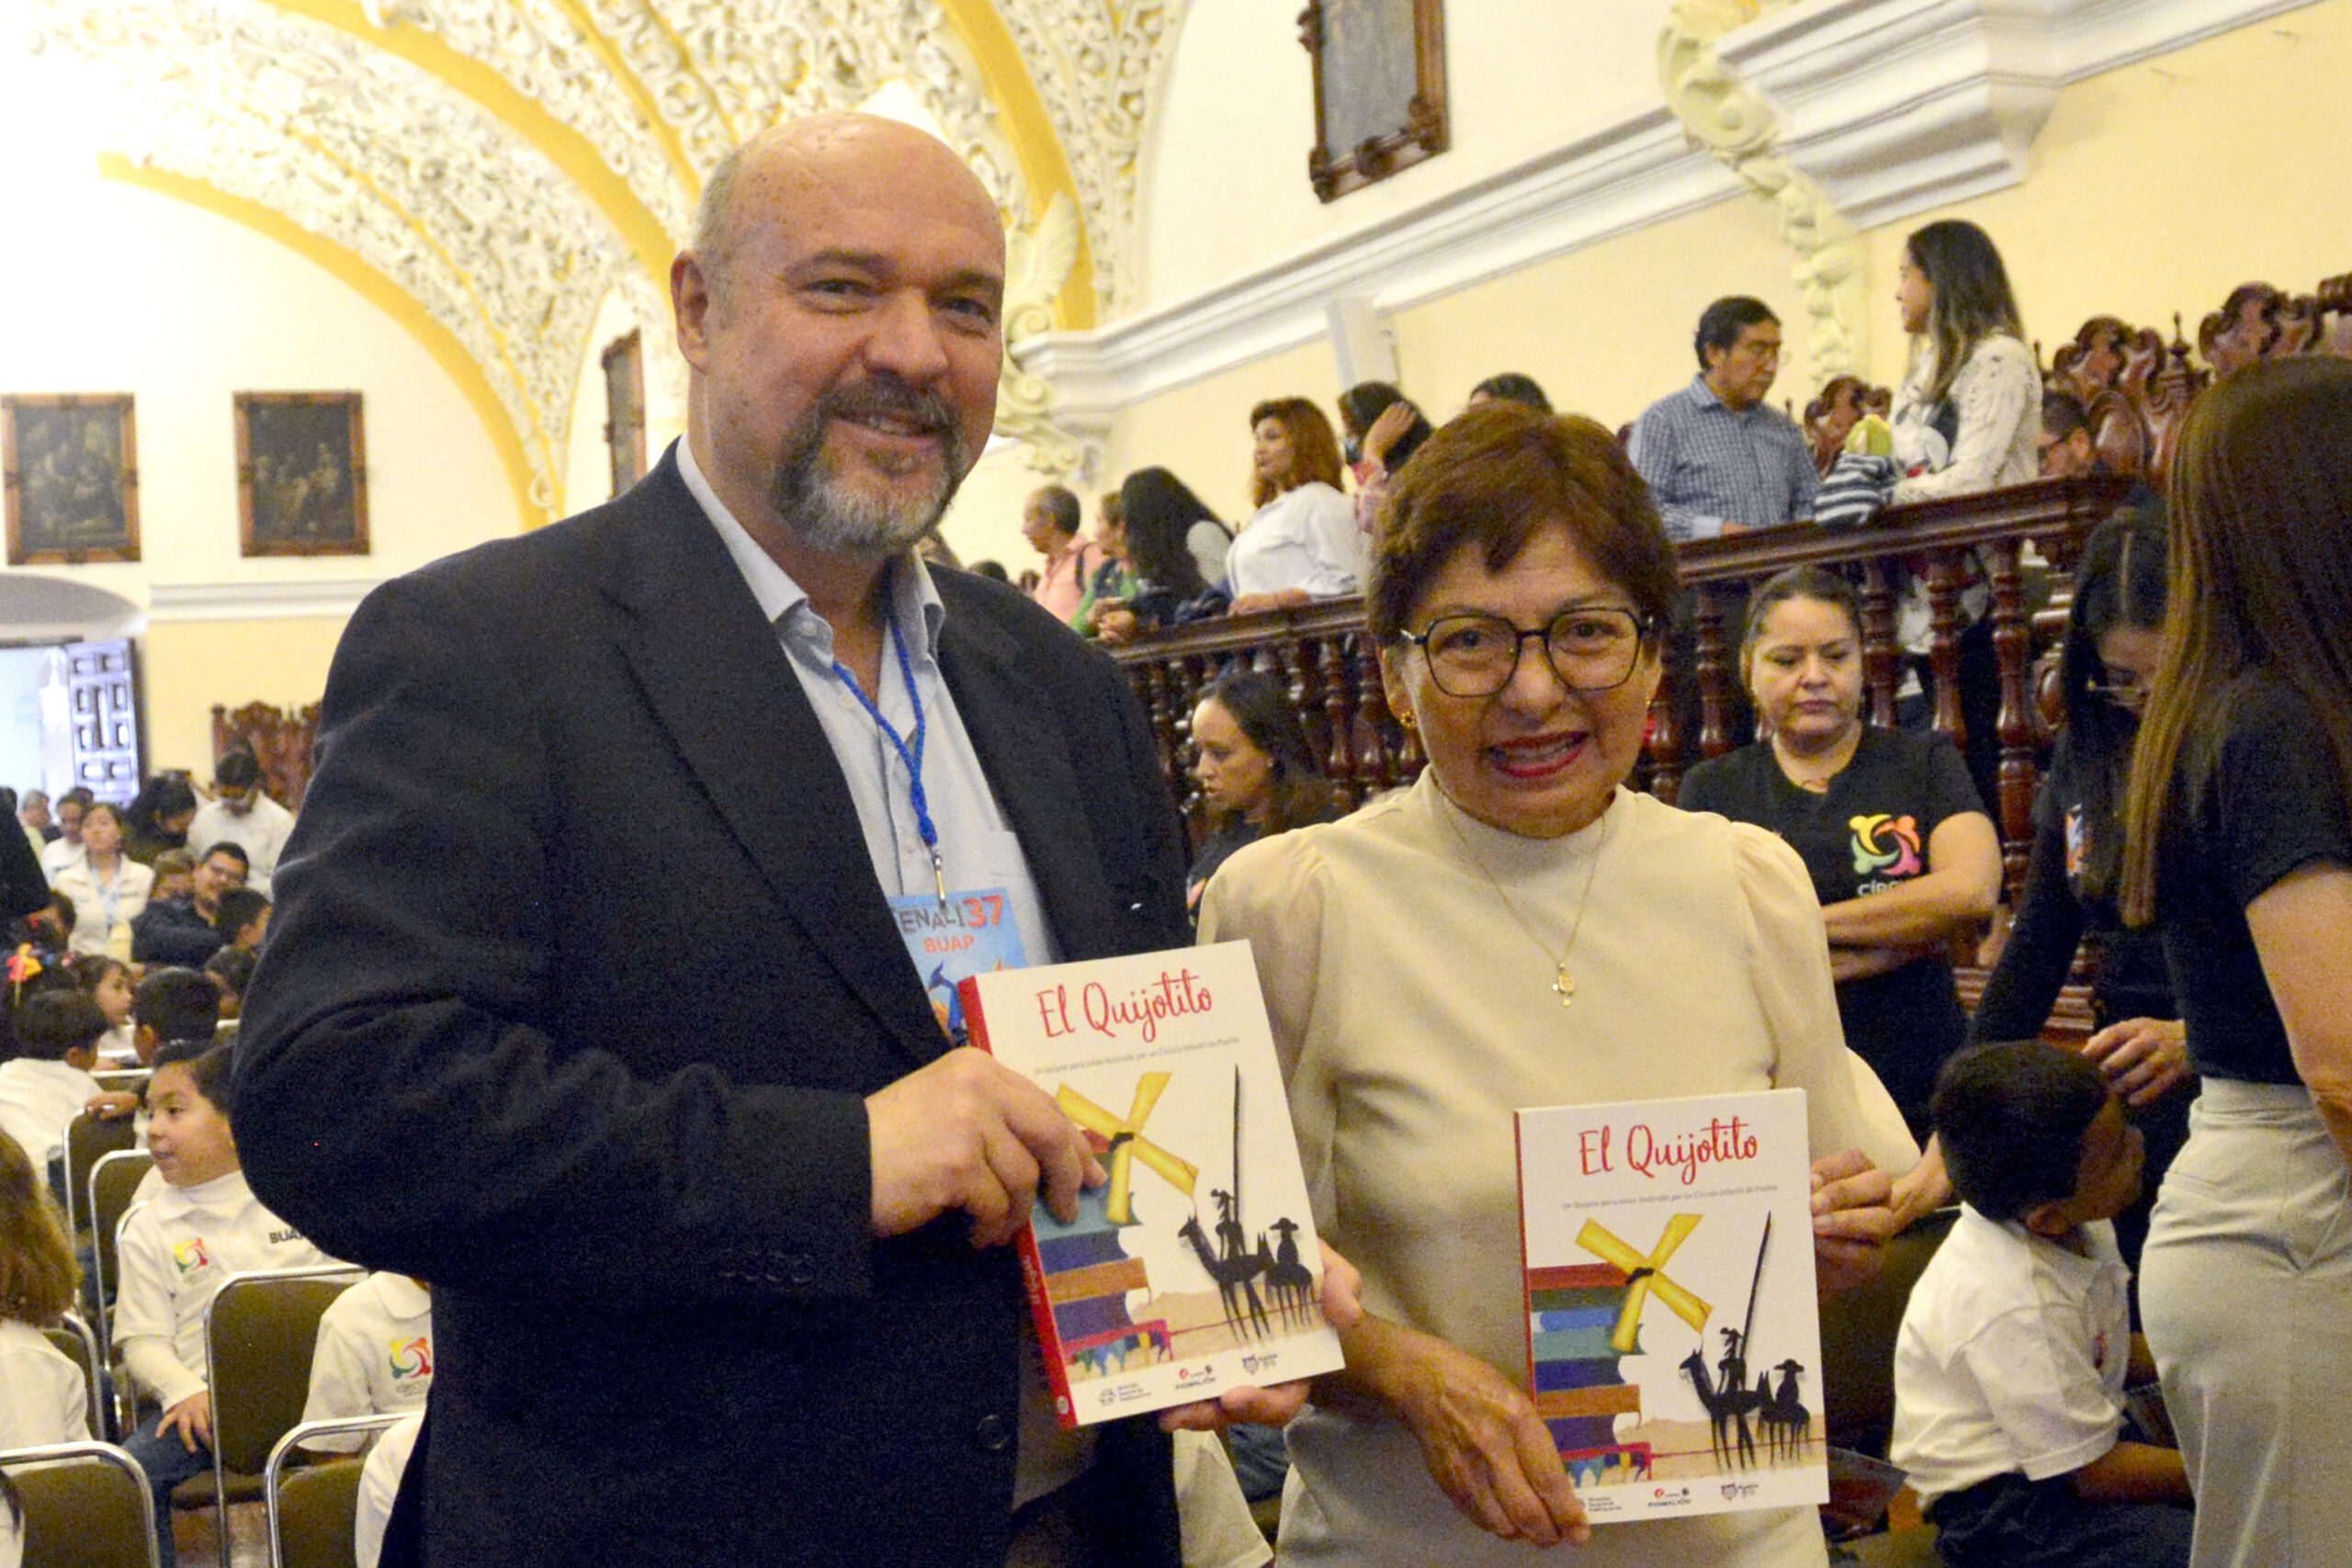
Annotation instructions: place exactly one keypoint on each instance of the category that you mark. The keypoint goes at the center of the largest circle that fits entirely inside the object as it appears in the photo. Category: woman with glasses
(1516, 928)
(2113, 633)
(2240, 850)
(1892, 830)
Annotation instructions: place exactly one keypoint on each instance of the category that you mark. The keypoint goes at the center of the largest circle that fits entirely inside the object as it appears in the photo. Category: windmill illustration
(1089, 1274)
(1127, 1144)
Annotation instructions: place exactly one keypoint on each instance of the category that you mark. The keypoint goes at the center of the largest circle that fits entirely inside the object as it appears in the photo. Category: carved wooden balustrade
(1324, 654)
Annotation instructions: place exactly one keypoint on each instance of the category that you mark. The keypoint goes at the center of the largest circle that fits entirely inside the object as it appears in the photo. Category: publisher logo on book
(1186, 1377)
(1254, 1364)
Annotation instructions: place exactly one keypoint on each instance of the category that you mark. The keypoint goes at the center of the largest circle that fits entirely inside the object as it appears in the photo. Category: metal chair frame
(104, 1268)
(102, 1453)
(349, 1274)
(85, 1342)
(274, 1474)
(80, 1134)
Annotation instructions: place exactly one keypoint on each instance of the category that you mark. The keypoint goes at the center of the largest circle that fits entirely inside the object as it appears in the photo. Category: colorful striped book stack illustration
(1673, 1338)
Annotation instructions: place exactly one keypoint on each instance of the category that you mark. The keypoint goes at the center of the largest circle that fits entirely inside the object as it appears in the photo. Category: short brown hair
(1495, 476)
(1313, 450)
(37, 1274)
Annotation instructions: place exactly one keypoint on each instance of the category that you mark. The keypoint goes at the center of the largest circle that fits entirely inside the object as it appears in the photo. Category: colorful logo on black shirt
(1886, 845)
(412, 1359)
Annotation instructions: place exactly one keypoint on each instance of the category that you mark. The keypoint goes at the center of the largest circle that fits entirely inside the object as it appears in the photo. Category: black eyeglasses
(1593, 650)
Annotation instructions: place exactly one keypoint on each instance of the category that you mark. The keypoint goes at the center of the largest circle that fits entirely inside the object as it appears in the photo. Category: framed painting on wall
(301, 474)
(1379, 88)
(72, 463)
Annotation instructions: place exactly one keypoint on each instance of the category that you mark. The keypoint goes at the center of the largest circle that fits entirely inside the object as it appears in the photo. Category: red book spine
(1033, 1266)
(1526, 1302)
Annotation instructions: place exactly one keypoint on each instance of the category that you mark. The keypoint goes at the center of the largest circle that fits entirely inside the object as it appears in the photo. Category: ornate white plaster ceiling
(508, 164)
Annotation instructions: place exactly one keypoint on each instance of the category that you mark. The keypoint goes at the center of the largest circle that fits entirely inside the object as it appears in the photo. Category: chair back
(314, 1513)
(87, 1139)
(260, 1333)
(113, 1182)
(80, 1345)
(1857, 1334)
(87, 1505)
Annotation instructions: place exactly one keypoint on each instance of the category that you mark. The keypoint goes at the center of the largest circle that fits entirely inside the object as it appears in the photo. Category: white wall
(1226, 154)
(110, 288)
(20, 746)
(182, 309)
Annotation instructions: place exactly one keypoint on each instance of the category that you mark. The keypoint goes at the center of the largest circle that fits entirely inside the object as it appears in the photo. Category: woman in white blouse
(1967, 418)
(1969, 412)
(109, 888)
(1302, 544)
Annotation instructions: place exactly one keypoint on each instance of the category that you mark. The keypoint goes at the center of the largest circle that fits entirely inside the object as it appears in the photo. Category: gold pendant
(1564, 986)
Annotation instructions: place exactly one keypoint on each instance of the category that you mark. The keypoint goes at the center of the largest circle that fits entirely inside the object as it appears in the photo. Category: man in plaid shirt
(1718, 458)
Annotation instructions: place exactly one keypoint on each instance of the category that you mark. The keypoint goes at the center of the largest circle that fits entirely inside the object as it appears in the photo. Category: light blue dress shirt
(977, 848)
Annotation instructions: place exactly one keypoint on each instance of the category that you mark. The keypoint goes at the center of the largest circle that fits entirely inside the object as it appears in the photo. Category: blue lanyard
(913, 759)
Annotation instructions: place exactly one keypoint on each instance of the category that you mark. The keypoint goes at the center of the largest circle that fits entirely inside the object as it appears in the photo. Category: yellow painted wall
(2162, 186)
(187, 666)
(2153, 189)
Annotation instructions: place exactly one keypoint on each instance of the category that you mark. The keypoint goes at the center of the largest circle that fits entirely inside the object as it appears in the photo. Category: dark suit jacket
(577, 976)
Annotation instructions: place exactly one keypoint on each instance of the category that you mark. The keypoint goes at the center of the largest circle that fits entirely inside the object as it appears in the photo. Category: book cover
(1673, 1336)
(1195, 1268)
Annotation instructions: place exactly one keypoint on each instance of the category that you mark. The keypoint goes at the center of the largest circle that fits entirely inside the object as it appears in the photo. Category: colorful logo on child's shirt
(190, 1255)
(1886, 845)
(412, 1359)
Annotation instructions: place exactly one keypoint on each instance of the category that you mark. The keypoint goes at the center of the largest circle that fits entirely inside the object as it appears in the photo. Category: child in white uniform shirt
(49, 1083)
(43, 1398)
(2009, 1369)
(375, 1356)
(174, 1253)
(379, 1484)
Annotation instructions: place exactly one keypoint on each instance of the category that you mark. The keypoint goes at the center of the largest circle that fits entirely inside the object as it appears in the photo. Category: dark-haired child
(175, 1251)
(49, 1083)
(230, 970)
(111, 986)
(2010, 1367)
(168, 1007)
(243, 920)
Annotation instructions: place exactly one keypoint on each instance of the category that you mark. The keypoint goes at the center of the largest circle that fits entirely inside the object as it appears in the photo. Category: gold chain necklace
(1564, 985)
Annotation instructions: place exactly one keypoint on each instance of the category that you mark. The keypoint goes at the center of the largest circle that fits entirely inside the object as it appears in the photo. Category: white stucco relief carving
(490, 239)
(1730, 119)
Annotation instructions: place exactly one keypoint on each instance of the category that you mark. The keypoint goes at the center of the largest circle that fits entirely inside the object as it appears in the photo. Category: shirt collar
(1706, 397)
(915, 598)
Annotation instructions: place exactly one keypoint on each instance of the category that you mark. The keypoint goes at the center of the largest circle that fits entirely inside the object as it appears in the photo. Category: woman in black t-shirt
(1902, 854)
(2239, 850)
(2112, 639)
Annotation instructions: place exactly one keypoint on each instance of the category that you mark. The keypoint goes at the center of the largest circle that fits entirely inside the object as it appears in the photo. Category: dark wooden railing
(1324, 655)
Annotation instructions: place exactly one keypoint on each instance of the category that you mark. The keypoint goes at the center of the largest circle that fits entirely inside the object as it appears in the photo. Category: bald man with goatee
(585, 1001)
